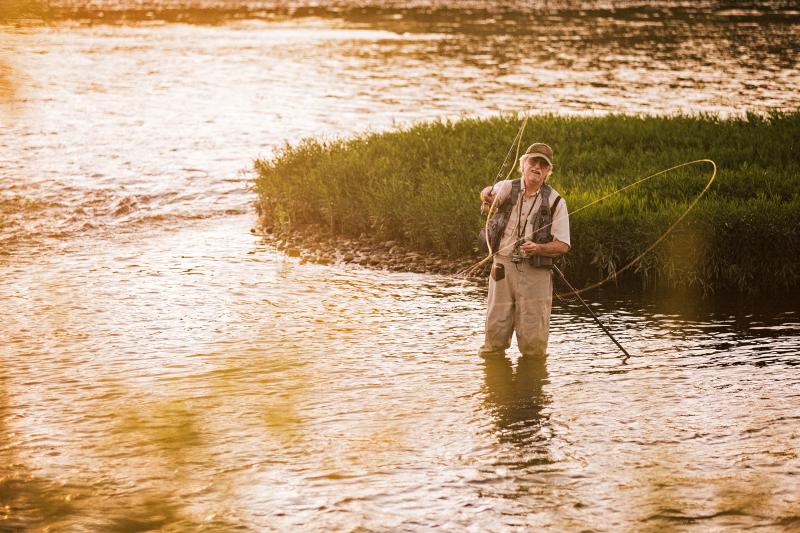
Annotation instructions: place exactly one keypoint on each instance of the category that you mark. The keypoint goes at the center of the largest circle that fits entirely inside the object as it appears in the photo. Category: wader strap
(516, 186)
(553, 209)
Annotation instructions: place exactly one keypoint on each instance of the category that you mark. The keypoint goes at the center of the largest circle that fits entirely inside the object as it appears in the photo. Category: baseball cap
(540, 150)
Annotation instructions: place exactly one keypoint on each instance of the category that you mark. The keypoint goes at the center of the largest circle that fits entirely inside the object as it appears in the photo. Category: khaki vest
(542, 223)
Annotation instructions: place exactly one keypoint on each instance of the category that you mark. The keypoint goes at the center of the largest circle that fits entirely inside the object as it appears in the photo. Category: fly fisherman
(529, 227)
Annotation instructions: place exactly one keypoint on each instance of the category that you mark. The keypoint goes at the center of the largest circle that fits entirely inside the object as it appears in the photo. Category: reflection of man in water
(517, 400)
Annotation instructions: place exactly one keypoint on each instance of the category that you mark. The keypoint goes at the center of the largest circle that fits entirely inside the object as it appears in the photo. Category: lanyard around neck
(521, 232)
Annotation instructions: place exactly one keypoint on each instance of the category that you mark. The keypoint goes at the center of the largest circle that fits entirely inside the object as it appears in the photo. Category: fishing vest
(496, 225)
(542, 223)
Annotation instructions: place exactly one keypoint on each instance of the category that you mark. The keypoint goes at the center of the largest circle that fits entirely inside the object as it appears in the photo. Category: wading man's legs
(534, 300)
(500, 310)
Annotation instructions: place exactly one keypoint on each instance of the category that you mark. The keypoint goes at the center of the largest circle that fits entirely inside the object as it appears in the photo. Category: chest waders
(542, 223)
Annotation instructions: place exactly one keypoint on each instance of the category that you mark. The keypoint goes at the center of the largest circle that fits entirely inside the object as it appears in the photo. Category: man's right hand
(486, 195)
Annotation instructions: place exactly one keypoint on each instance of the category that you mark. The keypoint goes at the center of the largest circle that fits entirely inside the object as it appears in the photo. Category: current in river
(166, 369)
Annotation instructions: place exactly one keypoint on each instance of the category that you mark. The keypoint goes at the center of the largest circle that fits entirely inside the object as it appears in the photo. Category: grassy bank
(420, 186)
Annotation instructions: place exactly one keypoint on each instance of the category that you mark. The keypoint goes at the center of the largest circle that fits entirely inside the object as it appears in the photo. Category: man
(528, 234)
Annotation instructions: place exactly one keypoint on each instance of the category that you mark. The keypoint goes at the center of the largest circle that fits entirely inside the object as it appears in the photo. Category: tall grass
(420, 186)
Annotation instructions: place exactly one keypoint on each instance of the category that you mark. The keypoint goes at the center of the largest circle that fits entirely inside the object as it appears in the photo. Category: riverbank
(312, 244)
(418, 188)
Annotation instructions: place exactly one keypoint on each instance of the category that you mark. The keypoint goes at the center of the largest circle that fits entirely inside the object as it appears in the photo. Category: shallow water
(167, 369)
(199, 377)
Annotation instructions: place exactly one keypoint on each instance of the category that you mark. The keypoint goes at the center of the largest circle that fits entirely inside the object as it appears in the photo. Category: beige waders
(519, 302)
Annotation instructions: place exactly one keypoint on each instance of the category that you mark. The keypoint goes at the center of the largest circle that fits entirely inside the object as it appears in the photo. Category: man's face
(535, 170)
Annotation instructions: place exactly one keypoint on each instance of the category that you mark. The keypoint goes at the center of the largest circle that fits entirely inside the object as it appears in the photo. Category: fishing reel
(516, 256)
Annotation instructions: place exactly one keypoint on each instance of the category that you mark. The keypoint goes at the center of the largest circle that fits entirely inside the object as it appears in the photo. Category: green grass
(419, 186)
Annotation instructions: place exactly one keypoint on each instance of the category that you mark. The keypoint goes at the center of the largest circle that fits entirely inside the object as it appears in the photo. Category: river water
(164, 368)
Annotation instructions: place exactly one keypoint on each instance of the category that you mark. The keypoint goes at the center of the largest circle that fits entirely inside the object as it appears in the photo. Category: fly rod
(575, 292)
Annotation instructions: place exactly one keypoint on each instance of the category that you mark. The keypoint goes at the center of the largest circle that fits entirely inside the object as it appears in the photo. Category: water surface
(200, 378)
(165, 368)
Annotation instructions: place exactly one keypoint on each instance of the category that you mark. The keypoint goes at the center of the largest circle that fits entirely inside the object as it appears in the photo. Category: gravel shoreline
(313, 245)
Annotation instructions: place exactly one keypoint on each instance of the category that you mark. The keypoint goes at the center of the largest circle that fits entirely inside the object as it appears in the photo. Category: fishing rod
(596, 319)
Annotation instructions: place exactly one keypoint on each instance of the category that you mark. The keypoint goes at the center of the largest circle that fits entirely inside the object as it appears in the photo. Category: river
(164, 368)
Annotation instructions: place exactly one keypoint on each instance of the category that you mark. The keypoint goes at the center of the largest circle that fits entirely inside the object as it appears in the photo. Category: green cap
(541, 151)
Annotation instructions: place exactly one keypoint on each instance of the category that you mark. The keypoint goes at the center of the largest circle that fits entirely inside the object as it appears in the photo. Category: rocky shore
(313, 245)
